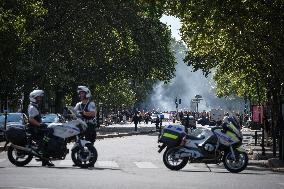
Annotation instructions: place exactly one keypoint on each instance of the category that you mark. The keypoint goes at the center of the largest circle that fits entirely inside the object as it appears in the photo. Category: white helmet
(34, 94)
(84, 89)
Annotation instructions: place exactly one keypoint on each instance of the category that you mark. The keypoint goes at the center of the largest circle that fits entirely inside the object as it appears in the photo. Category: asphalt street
(132, 162)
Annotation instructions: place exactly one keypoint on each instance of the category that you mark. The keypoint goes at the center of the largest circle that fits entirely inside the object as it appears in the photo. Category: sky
(174, 24)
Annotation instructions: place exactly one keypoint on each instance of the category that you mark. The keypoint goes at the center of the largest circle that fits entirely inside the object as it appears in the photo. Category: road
(133, 162)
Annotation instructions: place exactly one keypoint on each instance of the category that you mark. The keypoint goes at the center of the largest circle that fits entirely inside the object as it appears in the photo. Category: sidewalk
(255, 152)
(128, 129)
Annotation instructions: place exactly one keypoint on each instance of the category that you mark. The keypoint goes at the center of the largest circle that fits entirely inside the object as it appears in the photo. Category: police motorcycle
(212, 145)
(23, 148)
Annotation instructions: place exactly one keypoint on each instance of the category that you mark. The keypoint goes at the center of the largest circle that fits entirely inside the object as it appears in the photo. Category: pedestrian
(147, 118)
(135, 119)
(39, 131)
(157, 123)
(87, 108)
(140, 117)
(124, 118)
(187, 123)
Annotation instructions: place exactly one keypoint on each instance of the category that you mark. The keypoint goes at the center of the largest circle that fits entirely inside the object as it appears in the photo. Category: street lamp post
(197, 100)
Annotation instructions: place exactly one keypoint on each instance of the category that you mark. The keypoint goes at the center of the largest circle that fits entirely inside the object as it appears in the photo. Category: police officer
(87, 109)
(39, 130)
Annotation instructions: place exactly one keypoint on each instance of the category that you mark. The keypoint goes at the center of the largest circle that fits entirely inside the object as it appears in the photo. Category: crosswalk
(117, 165)
(108, 164)
(99, 163)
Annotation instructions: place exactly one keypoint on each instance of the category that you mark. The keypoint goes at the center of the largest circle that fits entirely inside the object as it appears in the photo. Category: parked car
(191, 121)
(203, 121)
(52, 118)
(13, 120)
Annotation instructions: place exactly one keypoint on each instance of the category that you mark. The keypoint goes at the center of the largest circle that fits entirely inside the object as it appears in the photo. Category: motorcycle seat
(198, 137)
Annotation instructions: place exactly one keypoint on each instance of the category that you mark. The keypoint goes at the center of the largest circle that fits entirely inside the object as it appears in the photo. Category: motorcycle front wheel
(238, 164)
(18, 157)
(84, 157)
(173, 163)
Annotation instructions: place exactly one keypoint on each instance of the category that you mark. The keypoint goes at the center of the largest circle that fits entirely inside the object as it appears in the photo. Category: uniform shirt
(82, 107)
(33, 112)
(91, 107)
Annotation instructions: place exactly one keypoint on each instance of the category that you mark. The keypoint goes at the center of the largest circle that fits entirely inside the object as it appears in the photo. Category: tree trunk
(59, 101)
(275, 103)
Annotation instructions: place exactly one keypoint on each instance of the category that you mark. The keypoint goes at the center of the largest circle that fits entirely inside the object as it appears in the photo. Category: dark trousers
(90, 133)
(135, 124)
(39, 135)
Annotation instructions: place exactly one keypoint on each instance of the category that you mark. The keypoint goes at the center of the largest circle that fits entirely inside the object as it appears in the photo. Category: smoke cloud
(185, 85)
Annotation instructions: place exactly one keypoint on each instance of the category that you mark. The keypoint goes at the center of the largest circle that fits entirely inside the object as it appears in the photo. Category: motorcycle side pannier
(16, 135)
(172, 135)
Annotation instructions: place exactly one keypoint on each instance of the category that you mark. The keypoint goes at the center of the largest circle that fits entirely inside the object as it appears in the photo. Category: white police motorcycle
(212, 145)
(23, 148)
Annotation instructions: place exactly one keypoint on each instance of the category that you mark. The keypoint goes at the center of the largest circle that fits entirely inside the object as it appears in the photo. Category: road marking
(107, 164)
(145, 165)
(34, 162)
(67, 162)
(21, 187)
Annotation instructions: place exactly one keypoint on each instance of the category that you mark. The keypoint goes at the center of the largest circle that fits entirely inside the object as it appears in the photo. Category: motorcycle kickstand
(208, 167)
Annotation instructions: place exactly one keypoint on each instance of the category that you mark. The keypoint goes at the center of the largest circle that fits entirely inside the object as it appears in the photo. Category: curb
(273, 164)
(124, 134)
(262, 163)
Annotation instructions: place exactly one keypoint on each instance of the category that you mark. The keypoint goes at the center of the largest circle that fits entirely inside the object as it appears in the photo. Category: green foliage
(102, 44)
(19, 21)
(242, 40)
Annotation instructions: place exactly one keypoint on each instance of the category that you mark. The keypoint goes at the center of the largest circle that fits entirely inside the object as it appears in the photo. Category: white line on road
(107, 164)
(22, 187)
(67, 162)
(34, 162)
(145, 165)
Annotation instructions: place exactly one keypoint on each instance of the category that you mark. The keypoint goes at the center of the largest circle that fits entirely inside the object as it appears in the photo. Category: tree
(93, 43)
(19, 24)
(241, 40)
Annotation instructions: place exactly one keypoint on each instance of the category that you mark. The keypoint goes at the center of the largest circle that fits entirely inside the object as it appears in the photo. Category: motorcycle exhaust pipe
(29, 150)
(21, 148)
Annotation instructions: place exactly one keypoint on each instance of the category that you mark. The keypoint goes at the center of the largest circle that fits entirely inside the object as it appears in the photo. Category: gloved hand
(43, 125)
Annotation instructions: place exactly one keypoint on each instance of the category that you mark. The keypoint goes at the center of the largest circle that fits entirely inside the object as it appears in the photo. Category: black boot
(47, 163)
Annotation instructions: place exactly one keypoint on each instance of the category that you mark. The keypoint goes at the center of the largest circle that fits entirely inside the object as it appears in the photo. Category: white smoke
(185, 85)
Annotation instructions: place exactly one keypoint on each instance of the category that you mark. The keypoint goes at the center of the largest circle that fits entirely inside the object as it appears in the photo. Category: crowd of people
(125, 116)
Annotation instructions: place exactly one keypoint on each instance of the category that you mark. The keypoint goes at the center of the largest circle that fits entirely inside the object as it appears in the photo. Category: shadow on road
(72, 168)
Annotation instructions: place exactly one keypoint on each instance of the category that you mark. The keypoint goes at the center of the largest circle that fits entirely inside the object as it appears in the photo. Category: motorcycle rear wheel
(237, 165)
(173, 163)
(18, 157)
(84, 157)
